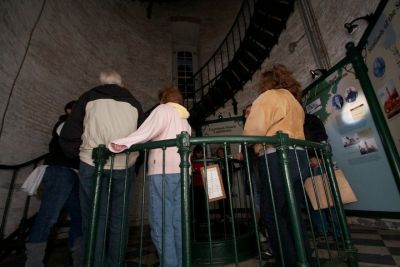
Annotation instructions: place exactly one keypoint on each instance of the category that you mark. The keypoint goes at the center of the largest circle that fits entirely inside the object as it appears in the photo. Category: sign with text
(213, 180)
(232, 126)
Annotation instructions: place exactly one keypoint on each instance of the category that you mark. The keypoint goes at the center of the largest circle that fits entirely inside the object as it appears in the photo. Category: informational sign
(340, 103)
(213, 179)
(224, 127)
(382, 57)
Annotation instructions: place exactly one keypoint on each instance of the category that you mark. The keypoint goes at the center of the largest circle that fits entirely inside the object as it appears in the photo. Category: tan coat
(275, 110)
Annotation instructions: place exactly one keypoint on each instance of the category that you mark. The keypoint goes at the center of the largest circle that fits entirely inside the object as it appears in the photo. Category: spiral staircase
(249, 42)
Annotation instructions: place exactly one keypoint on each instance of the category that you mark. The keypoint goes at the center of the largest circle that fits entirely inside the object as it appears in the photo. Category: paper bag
(322, 182)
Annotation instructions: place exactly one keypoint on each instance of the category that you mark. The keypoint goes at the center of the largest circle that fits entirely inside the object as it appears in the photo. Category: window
(185, 71)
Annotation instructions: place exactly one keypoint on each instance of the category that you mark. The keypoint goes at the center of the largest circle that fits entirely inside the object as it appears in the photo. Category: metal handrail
(223, 55)
(15, 169)
(282, 143)
(213, 56)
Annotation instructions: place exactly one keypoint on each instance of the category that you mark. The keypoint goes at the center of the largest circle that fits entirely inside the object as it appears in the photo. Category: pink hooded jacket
(165, 122)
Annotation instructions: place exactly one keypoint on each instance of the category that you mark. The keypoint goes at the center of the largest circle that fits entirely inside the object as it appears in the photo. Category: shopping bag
(322, 189)
(33, 181)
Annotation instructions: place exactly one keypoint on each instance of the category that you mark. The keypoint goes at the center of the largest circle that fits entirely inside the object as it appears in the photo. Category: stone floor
(376, 247)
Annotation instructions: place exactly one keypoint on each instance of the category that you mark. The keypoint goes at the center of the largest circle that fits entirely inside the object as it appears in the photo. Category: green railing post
(100, 156)
(183, 143)
(361, 73)
(282, 150)
(349, 248)
(125, 211)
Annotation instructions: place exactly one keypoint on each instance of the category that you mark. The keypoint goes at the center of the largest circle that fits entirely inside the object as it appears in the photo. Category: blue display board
(382, 57)
(339, 102)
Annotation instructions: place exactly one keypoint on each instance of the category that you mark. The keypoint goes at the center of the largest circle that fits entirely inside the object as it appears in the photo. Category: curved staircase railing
(15, 240)
(255, 31)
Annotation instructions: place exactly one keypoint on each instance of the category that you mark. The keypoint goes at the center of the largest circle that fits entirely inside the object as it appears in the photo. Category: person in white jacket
(104, 113)
(165, 122)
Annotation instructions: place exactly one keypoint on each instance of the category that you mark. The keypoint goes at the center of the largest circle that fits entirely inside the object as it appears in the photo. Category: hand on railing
(117, 148)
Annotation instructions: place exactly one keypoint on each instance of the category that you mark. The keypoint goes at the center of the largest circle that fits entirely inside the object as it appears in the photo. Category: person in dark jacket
(60, 190)
(314, 130)
(102, 114)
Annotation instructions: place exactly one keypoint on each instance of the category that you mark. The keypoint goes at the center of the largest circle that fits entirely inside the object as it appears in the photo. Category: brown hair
(279, 77)
(170, 93)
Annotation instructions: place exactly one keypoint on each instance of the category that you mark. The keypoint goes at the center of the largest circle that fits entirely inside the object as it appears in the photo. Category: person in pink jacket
(165, 122)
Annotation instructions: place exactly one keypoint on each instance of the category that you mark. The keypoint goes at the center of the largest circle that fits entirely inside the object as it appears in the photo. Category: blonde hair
(170, 93)
(110, 77)
(279, 77)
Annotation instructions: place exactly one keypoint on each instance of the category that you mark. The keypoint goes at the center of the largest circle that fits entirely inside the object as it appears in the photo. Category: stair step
(247, 59)
(267, 21)
(277, 8)
(240, 70)
(208, 101)
(267, 38)
(255, 49)
(218, 96)
(234, 82)
(223, 85)
(199, 109)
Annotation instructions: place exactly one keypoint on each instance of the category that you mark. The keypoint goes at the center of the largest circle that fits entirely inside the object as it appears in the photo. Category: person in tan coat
(278, 109)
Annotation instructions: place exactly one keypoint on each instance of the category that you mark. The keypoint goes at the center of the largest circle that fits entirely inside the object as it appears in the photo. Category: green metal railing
(241, 229)
(16, 239)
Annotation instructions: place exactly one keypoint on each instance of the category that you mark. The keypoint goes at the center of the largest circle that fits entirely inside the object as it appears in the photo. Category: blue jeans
(60, 190)
(173, 226)
(114, 226)
(324, 222)
(281, 205)
(320, 221)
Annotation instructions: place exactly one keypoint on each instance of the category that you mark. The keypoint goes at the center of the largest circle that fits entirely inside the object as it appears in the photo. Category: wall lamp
(351, 27)
(317, 73)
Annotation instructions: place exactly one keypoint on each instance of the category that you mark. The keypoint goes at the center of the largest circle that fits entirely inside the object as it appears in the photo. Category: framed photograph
(215, 186)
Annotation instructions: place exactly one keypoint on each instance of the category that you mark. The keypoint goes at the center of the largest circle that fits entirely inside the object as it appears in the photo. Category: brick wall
(71, 43)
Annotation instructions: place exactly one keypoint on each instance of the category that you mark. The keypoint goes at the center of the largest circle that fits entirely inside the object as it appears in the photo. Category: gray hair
(110, 77)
